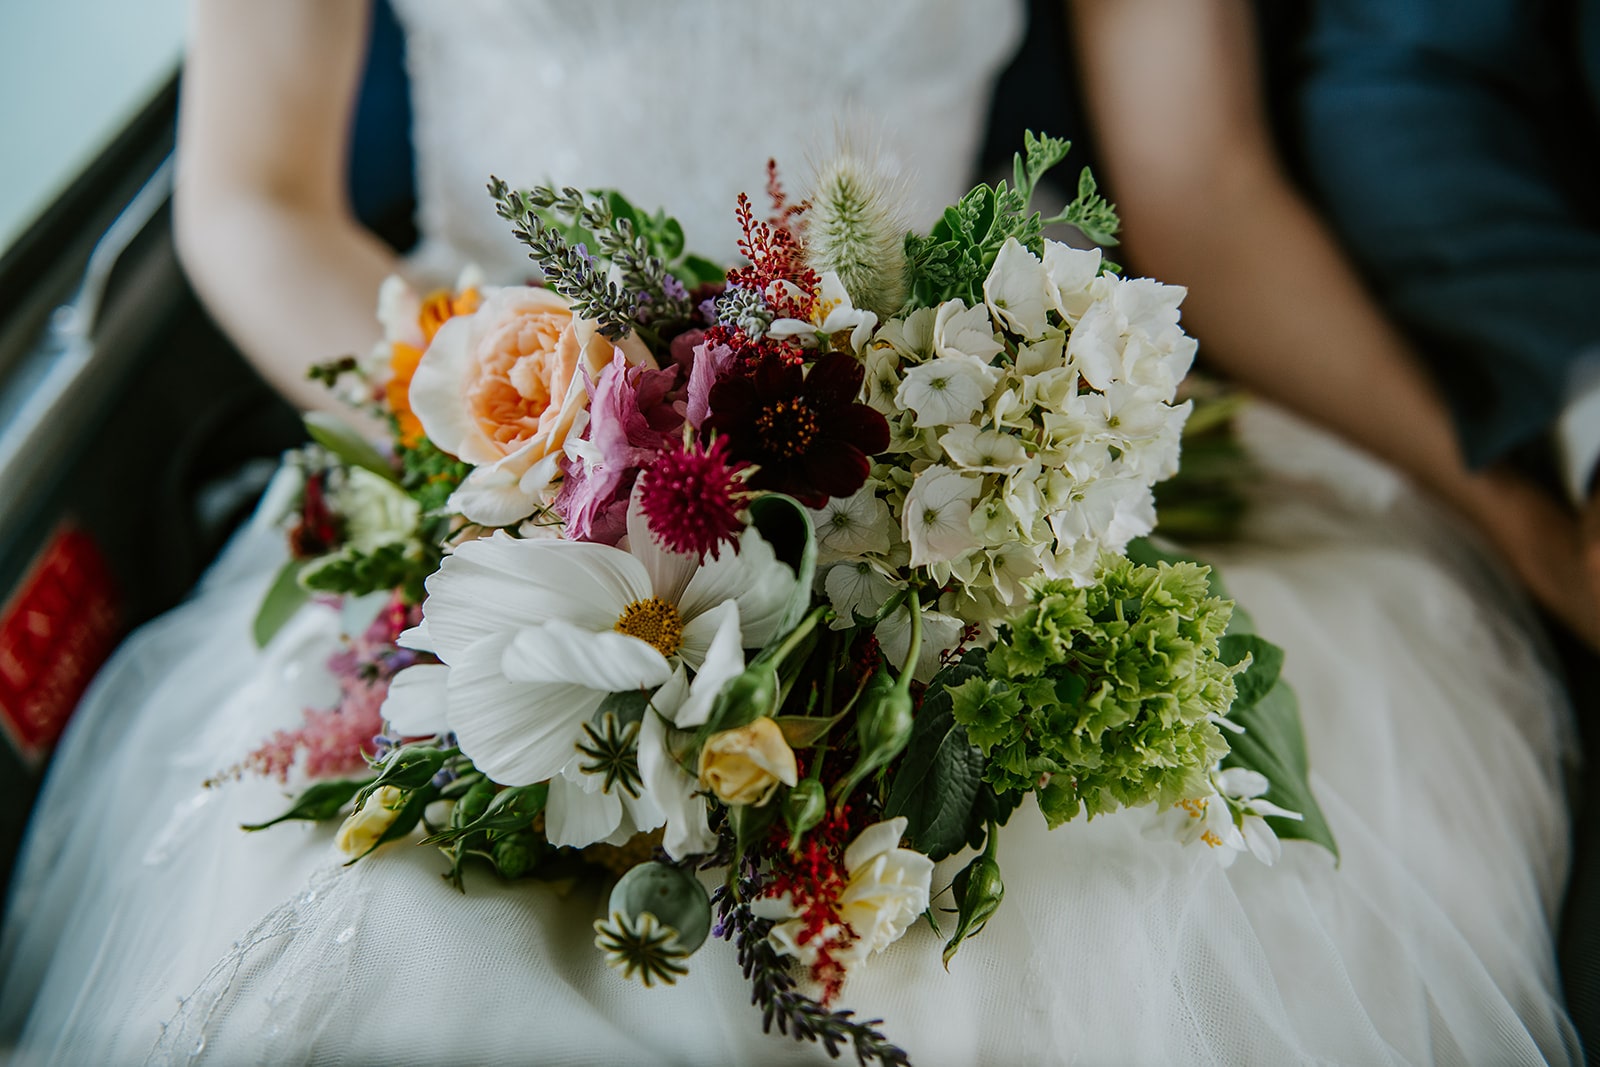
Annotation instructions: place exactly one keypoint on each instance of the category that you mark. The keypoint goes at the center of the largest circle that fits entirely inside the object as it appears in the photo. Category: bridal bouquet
(792, 580)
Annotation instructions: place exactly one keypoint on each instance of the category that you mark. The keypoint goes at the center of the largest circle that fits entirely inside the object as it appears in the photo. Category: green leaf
(1274, 744)
(704, 270)
(938, 780)
(786, 526)
(343, 441)
(320, 802)
(1266, 662)
(283, 599)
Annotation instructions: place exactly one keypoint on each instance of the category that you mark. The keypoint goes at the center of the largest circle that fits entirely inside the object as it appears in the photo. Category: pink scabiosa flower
(692, 497)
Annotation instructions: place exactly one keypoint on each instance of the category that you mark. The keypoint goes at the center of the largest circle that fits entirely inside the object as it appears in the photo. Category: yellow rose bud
(745, 765)
(369, 822)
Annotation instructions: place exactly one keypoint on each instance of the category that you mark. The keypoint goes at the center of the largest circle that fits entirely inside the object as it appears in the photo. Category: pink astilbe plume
(337, 740)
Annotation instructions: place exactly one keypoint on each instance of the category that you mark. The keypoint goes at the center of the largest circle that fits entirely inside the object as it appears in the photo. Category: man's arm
(1172, 89)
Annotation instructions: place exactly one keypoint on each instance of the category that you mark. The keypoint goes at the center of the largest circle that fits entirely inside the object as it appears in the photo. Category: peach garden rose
(503, 387)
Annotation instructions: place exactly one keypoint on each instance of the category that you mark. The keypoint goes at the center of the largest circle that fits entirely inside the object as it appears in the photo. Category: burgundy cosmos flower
(804, 431)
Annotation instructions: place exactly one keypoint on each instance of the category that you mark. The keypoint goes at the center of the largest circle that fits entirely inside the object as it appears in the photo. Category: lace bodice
(681, 104)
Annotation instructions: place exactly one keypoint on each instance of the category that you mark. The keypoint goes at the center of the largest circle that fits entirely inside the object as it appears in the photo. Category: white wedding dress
(145, 926)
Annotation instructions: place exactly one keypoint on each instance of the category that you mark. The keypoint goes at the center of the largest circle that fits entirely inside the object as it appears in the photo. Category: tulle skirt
(145, 927)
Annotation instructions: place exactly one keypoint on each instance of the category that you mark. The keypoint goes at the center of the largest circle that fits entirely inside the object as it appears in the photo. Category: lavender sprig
(660, 297)
(773, 989)
(569, 270)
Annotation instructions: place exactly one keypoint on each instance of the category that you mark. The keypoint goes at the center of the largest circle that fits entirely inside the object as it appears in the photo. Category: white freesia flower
(887, 892)
(1015, 290)
(857, 587)
(978, 449)
(937, 509)
(535, 634)
(1230, 819)
(962, 331)
(947, 391)
(834, 314)
(856, 525)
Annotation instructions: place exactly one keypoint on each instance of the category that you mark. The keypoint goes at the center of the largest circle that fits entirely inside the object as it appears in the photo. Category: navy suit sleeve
(1451, 196)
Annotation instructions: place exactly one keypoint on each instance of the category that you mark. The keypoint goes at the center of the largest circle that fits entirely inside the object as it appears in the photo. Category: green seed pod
(804, 807)
(674, 896)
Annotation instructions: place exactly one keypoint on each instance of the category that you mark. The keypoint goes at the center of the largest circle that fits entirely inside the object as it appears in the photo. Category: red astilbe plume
(776, 256)
(784, 215)
(813, 877)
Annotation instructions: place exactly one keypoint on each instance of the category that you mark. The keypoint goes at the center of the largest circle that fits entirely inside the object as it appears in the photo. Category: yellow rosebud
(369, 822)
(744, 766)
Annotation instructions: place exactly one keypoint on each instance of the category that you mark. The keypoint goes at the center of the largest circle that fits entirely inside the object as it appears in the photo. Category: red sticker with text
(59, 626)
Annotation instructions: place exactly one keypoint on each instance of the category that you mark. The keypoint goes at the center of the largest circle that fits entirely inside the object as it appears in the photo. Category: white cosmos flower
(1015, 290)
(535, 634)
(962, 331)
(856, 525)
(947, 391)
(938, 508)
(683, 705)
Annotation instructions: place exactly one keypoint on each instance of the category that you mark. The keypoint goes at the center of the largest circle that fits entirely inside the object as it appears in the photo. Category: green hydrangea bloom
(1101, 697)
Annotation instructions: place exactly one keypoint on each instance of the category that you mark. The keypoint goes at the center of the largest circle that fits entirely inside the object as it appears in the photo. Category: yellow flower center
(655, 622)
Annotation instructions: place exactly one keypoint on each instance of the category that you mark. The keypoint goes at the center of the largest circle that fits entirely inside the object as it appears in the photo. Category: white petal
(724, 659)
(418, 701)
(857, 587)
(558, 652)
(517, 733)
(416, 638)
(500, 584)
(1015, 290)
(1242, 782)
(878, 838)
(754, 577)
(673, 791)
(962, 331)
(577, 817)
(938, 508)
(670, 572)
(1263, 843)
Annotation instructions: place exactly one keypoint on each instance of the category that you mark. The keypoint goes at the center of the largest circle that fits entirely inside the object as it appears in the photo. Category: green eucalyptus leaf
(1274, 744)
(343, 441)
(283, 599)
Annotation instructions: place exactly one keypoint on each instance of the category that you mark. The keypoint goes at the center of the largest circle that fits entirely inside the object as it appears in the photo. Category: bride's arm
(263, 225)
(1173, 91)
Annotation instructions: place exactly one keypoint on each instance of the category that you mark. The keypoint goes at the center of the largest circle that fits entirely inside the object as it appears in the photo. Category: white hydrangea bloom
(857, 525)
(937, 511)
(1015, 290)
(947, 391)
(977, 449)
(962, 331)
